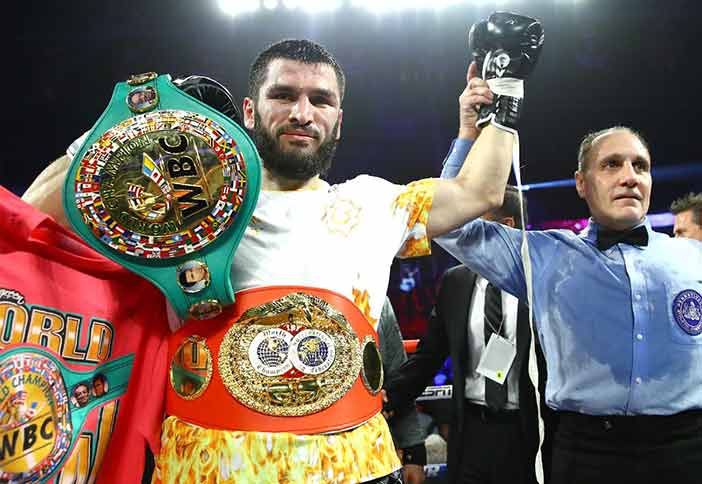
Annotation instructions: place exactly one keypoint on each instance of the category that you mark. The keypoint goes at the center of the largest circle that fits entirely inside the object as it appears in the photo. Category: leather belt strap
(281, 359)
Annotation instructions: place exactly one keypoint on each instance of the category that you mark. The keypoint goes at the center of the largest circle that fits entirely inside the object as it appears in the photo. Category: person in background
(404, 426)
(688, 216)
(618, 311)
(489, 424)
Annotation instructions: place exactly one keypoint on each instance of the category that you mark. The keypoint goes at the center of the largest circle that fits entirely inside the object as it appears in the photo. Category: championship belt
(44, 405)
(281, 359)
(165, 186)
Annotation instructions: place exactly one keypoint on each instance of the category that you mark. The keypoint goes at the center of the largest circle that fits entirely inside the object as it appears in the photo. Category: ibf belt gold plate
(294, 356)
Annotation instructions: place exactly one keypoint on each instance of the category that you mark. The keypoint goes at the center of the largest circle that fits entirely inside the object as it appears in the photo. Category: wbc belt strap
(281, 359)
(165, 185)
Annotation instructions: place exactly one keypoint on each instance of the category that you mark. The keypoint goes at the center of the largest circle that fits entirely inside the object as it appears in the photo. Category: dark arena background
(604, 62)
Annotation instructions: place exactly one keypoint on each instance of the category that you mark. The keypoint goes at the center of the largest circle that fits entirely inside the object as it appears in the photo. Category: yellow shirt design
(194, 454)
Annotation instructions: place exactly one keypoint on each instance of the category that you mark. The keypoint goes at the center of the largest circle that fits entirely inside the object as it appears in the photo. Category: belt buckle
(294, 356)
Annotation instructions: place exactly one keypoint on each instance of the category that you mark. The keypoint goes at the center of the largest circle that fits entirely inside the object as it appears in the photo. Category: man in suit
(493, 435)
(406, 429)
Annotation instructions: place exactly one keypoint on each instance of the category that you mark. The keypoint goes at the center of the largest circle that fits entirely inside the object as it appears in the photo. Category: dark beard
(293, 165)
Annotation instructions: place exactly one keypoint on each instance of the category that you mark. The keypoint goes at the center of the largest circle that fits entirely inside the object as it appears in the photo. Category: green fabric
(116, 373)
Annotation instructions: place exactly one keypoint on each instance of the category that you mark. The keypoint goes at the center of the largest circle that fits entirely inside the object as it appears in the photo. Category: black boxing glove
(212, 93)
(505, 47)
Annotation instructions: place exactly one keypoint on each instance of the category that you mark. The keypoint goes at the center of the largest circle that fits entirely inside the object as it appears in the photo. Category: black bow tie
(608, 238)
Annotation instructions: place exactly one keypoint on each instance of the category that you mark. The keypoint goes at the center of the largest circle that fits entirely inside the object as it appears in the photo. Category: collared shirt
(619, 328)
(475, 382)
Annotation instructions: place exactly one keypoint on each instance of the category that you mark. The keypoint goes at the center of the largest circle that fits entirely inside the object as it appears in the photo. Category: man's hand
(476, 94)
(413, 474)
(506, 46)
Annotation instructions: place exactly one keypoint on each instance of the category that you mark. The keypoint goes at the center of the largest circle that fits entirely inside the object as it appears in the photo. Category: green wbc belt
(165, 185)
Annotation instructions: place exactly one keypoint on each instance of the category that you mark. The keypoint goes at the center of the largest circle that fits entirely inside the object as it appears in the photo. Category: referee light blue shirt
(621, 329)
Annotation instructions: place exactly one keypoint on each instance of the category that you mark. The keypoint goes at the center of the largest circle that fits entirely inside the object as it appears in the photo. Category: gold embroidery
(342, 216)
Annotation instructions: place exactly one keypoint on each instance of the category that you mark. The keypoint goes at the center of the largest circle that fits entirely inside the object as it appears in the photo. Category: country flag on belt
(88, 165)
(150, 169)
(87, 187)
(89, 178)
(84, 200)
(134, 191)
(174, 239)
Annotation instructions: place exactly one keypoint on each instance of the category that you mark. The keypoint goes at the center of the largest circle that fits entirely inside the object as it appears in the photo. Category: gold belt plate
(294, 356)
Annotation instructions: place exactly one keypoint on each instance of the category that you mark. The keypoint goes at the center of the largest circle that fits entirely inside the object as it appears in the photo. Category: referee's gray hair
(589, 139)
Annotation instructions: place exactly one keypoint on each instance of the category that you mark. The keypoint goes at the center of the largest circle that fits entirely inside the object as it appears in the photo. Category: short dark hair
(589, 139)
(510, 207)
(183, 278)
(99, 377)
(692, 202)
(300, 50)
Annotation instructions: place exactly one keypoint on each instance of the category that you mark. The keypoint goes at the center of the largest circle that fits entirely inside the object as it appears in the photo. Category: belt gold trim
(288, 359)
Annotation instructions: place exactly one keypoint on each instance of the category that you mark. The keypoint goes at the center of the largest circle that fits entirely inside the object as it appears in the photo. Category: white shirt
(341, 237)
(475, 383)
(338, 237)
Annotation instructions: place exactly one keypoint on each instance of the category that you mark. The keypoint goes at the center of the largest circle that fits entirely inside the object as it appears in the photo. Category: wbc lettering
(21, 440)
(179, 167)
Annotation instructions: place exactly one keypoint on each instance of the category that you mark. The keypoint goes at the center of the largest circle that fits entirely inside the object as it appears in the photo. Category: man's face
(195, 274)
(137, 98)
(296, 122)
(99, 388)
(616, 180)
(686, 227)
(81, 395)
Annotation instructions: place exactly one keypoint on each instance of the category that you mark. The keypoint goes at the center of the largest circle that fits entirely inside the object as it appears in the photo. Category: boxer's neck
(278, 183)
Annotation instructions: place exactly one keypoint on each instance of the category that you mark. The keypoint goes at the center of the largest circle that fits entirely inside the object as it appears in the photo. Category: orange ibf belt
(281, 359)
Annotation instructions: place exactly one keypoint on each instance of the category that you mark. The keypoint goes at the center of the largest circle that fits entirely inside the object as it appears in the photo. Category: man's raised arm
(505, 48)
